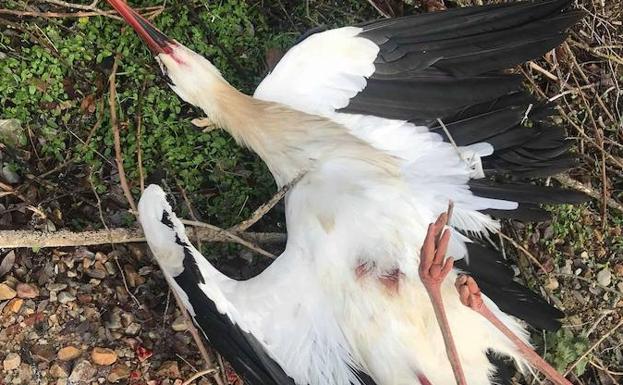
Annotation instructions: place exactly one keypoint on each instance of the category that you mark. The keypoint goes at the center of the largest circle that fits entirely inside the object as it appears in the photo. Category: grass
(53, 79)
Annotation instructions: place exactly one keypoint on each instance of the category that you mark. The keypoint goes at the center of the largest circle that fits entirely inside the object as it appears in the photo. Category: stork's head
(189, 74)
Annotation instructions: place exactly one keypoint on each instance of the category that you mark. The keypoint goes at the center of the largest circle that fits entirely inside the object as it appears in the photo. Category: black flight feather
(495, 279)
(241, 349)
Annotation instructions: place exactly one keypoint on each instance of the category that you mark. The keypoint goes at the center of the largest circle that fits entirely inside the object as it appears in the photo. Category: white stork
(390, 120)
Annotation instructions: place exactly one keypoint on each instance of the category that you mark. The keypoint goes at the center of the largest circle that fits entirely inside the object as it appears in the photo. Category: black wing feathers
(495, 279)
(241, 349)
(451, 66)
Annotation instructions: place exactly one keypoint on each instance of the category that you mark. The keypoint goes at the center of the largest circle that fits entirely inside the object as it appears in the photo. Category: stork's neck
(287, 140)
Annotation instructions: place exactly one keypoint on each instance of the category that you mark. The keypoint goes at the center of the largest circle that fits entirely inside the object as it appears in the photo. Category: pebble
(133, 278)
(620, 287)
(98, 271)
(618, 269)
(179, 325)
(57, 286)
(65, 297)
(118, 372)
(42, 352)
(132, 329)
(25, 290)
(127, 318)
(82, 372)
(604, 277)
(552, 284)
(103, 356)
(567, 268)
(59, 370)
(169, 369)
(14, 305)
(6, 292)
(112, 319)
(68, 353)
(11, 361)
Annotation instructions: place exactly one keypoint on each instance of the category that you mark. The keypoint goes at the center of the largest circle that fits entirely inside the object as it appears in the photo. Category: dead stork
(390, 120)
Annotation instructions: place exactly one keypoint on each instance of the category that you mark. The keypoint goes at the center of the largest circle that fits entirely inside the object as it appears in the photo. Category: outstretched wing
(197, 284)
(390, 80)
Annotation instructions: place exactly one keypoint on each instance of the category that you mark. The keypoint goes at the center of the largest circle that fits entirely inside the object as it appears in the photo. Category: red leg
(471, 297)
(433, 270)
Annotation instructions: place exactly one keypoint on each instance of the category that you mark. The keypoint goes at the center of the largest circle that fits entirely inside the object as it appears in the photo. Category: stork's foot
(469, 292)
(434, 268)
(470, 296)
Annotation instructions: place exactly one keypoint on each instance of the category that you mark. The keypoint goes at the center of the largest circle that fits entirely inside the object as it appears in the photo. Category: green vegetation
(55, 83)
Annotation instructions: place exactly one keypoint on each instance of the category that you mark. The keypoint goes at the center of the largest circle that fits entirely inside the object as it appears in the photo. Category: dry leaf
(7, 263)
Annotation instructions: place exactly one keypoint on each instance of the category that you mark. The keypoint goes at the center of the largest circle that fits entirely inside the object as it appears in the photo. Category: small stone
(42, 352)
(133, 278)
(11, 361)
(14, 305)
(65, 297)
(584, 255)
(127, 318)
(57, 286)
(618, 269)
(85, 298)
(132, 329)
(6, 292)
(604, 277)
(103, 356)
(118, 372)
(68, 353)
(82, 372)
(552, 284)
(25, 290)
(620, 287)
(169, 369)
(567, 268)
(179, 325)
(25, 373)
(61, 381)
(112, 319)
(98, 271)
(59, 370)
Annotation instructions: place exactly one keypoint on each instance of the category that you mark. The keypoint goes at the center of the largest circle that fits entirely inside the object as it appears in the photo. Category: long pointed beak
(156, 41)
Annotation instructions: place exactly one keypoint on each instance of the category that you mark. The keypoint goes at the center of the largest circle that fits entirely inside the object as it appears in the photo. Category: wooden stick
(64, 238)
(112, 102)
(263, 209)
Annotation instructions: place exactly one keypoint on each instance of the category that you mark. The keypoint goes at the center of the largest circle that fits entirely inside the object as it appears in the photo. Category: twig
(150, 12)
(112, 102)
(125, 284)
(200, 374)
(524, 250)
(593, 347)
(13, 12)
(231, 236)
(64, 238)
(193, 330)
(263, 209)
(139, 151)
(542, 70)
(569, 182)
(11, 191)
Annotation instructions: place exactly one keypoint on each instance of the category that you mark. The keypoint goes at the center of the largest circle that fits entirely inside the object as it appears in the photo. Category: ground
(58, 171)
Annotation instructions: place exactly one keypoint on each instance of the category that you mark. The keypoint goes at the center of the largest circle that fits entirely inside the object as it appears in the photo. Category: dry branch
(574, 184)
(112, 102)
(63, 238)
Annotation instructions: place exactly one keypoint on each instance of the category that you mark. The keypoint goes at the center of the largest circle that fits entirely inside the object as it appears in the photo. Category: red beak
(156, 41)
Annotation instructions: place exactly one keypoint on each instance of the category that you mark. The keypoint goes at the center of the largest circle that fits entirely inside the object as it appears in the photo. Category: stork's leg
(471, 297)
(433, 269)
